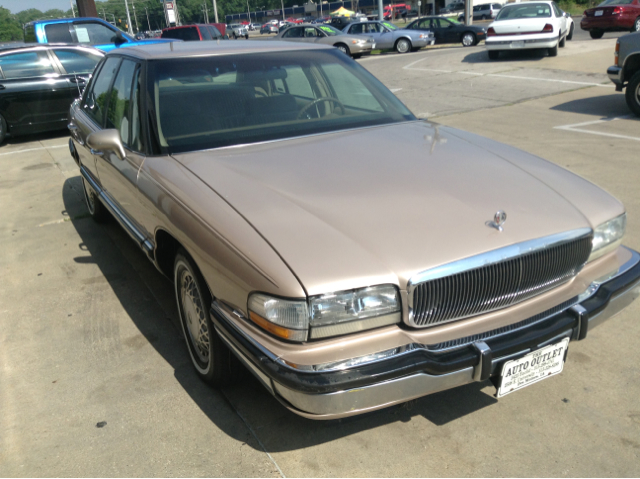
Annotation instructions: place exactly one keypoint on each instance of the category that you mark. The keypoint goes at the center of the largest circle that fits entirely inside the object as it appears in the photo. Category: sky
(16, 6)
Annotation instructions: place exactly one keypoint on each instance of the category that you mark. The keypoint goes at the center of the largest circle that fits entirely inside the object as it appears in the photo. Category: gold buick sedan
(350, 255)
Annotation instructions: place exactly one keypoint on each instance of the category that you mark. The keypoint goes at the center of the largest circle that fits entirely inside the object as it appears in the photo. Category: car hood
(378, 205)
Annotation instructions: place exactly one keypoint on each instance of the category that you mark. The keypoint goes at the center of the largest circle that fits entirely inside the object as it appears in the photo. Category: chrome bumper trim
(615, 75)
(369, 398)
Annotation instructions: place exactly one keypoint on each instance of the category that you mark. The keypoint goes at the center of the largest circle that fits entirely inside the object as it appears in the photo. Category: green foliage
(10, 29)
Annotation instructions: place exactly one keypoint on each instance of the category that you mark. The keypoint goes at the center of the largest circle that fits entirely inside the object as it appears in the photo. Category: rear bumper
(513, 43)
(415, 370)
(610, 23)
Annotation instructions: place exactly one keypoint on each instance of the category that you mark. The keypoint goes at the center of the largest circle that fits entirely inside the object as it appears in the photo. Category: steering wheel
(318, 100)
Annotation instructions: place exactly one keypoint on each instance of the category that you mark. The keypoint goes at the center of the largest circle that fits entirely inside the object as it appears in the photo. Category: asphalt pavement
(95, 379)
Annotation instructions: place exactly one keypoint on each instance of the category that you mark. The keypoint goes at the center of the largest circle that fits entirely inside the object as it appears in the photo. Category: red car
(612, 16)
(189, 33)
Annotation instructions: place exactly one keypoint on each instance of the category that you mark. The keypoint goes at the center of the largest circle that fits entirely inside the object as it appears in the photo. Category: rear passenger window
(25, 65)
(297, 82)
(93, 33)
(76, 60)
(215, 33)
(58, 33)
(96, 100)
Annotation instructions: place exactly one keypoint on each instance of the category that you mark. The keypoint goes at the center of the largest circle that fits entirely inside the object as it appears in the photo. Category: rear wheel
(632, 95)
(3, 129)
(209, 355)
(403, 45)
(562, 41)
(595, 34)
(468, 39)
(553, 52)
(636, 25)
(96, 209)
(570, 36)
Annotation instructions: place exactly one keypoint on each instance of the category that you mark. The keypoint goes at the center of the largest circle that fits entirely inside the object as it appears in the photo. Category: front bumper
(416, 370)
(616, 76)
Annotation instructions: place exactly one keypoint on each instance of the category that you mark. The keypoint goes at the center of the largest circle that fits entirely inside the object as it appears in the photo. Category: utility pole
(135, 17)
(215, 11)
(380, 11)
(129, 27)
(282, 3)
(72, 10)
(206, 12)
(104, 15)
(148, 22)
(87, 8)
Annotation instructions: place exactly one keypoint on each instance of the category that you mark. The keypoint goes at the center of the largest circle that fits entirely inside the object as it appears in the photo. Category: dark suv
(192, 33)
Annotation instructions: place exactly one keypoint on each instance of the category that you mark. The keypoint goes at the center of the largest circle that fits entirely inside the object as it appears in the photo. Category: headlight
(350, 311)
(326, 315)
(284, 318)
(608, 236)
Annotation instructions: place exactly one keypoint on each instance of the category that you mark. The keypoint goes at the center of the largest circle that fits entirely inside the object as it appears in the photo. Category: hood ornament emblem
(498, 220)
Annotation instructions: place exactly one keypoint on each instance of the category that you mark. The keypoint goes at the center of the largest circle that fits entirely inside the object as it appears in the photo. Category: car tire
(209, 355)
(636, 25)
(570, 36)
(3, 129)
(632, 94)
(596, 34)
(553, 52)
(343, 48)
(403, 45)
(562, 42)
(96, 209)
(493, 54)
(468, 39)
(246, 37)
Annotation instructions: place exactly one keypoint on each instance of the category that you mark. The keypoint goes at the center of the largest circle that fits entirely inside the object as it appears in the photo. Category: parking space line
(576, 127)
(32, 149)
(499, 75)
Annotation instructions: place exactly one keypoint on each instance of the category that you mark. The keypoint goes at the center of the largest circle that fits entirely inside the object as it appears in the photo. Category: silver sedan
(387, 36)
(353, 45)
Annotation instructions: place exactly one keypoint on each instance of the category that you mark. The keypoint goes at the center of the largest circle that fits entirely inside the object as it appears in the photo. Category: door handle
(97, 152)
(72, 127)
(77, 80)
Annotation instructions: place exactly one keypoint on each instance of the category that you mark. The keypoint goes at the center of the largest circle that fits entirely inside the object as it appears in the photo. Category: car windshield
(329, 30)
(390, 26)
(524, 10)
(230, 100)
(615, 2)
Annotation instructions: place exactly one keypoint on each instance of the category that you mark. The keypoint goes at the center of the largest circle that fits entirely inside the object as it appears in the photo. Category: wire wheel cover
(194, 316)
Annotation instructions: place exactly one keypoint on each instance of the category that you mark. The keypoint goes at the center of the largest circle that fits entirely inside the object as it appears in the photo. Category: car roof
(199, 49)
(67, 20)
(7, 47)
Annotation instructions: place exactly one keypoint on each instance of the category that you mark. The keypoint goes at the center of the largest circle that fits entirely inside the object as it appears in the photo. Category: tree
(10, 27)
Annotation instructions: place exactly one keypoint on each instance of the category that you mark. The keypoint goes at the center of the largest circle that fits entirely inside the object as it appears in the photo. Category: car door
(450, 31)
(382, 37)
(424, 24)
(437, 26)
(33, 94)
(76, 66)
(560, 18)
(119, 176)
(91, 114)
(293, 34)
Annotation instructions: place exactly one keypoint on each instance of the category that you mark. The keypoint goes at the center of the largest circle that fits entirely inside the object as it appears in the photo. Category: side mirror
(118, 39)
(106, 140)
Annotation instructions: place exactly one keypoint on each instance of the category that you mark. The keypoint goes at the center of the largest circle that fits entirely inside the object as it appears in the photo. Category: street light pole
(135, 17)
(148, 22)
(215, 11)
(129, 27)
(72, 10)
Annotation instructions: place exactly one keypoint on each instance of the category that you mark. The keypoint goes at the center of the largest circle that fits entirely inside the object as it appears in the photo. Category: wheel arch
(631, 65)
(165, 251)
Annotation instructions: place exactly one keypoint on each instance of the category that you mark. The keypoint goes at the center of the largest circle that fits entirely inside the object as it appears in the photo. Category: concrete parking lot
(95, 379)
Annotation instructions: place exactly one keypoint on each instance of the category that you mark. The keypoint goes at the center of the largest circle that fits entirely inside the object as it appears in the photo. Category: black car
(447, 30)
(39, 83)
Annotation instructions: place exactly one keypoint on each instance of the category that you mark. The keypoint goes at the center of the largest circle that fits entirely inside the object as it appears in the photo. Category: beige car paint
(342, 210)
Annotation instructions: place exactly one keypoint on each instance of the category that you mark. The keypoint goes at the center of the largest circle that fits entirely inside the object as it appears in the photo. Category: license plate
(519, 44)
(533, 367)
(598, 13)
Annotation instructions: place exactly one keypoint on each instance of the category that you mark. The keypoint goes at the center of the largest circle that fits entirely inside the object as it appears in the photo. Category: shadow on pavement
(50, 135)
(514, 57)
(612, 105)
(148, 298)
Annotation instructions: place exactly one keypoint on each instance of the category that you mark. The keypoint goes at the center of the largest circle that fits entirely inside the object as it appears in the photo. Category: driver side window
(119, 114)
(95, 102)
(356, 29)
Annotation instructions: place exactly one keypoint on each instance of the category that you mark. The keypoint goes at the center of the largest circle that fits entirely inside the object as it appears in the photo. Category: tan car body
(272, 218)
(357, 44)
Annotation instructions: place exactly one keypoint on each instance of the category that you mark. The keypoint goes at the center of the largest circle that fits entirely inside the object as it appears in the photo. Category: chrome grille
(499, 284)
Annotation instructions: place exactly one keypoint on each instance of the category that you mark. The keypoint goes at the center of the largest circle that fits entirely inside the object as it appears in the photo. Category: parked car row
(612, 16)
